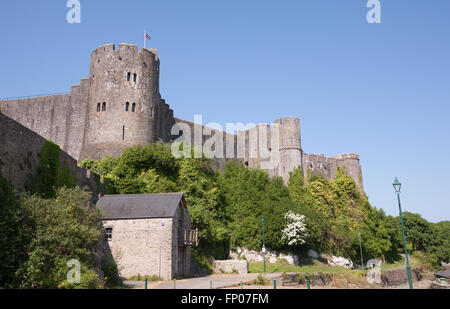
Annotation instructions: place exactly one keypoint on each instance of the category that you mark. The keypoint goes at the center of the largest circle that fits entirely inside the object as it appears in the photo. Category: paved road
(218, 282)
(446, 272)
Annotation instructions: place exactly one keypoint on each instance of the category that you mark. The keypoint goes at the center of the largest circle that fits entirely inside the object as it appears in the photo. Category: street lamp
(360, 248)
(264, 247)
(397, 186)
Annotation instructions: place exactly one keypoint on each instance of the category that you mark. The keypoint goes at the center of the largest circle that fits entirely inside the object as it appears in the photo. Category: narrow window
(108, 233)
(128, 76)
(134, 77)
(127, 106)
(98, 108)
(151, 112)
(123, 133)
(133, 109)
(104, 107)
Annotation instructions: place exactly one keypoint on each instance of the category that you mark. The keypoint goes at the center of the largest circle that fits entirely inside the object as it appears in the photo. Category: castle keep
(119, 106)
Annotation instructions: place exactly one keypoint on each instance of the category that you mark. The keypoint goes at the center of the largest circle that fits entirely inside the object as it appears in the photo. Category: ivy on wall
(49, 175)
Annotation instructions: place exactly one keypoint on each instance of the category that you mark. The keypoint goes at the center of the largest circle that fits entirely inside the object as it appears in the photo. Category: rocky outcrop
(313, 254)
(274, 257)
(336, 260)
(399, 276)
(271, 257)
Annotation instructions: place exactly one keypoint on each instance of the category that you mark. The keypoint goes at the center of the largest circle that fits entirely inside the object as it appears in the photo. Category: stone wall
(150, 246)
(20, 150)
(142, 247)
(400, 276)
(230, 267)
(326, 166)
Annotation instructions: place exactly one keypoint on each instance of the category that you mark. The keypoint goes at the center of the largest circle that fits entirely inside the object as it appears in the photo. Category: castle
(120, 106)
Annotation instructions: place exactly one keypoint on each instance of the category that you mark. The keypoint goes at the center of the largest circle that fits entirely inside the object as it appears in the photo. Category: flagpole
(145, 39)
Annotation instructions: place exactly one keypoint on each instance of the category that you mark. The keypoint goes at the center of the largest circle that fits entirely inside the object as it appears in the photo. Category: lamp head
(397, 185)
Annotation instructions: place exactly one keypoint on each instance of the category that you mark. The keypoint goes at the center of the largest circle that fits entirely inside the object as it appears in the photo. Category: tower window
(133, 109)
(134, 77)
(98, 108)
(127, 106)
(128, 76)
(104, 107)
(123, 133)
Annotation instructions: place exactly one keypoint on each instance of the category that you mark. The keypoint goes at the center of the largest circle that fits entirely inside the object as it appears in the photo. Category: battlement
(346, 156)
(154, 52)
(128, 47)
(289, 121)
(104, 48)
(123, 48)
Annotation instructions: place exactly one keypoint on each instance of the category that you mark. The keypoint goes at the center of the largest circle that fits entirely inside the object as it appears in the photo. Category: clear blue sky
(381, 90)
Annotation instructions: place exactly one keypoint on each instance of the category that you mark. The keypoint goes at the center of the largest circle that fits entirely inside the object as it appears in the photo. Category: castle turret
(123, 100)
(290, 150)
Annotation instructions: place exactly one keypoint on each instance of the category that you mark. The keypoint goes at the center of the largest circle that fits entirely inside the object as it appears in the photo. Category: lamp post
(397, 186)
(360, 248)
(160, 249)
(264, 247)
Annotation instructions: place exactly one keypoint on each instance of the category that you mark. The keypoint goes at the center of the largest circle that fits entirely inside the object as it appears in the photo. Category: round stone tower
(290, 150)
(123, 100)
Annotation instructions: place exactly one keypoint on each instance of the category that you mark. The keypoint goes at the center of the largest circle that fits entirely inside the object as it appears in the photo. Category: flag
(146, 37)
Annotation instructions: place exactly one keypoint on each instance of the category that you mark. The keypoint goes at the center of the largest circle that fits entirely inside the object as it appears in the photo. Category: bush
(260, 280)
(62, 229)
(110, 271)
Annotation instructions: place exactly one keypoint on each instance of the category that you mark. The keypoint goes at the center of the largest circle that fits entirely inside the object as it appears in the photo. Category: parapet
(104, 48)
(288, 120)
(346, 156)
(125, 46)
(152, 51)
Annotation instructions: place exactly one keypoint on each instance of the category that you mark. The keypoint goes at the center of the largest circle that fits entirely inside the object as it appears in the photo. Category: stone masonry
(119, 105)
(153, 242)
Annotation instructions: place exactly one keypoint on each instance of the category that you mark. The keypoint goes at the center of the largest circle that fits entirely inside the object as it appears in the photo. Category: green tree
(14, 235)
(62, 229)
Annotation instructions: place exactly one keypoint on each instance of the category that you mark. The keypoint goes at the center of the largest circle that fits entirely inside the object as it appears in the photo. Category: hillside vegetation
(227, 208)
(54, 222)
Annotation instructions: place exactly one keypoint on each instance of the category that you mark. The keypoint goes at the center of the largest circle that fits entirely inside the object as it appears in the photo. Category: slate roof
(139, 206)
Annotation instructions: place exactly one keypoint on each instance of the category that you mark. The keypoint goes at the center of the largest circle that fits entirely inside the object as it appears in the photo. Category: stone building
(119, 106)
(148, 234)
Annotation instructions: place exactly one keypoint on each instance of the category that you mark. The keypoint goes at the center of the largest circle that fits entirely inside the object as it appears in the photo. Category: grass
(316, 267)
(396, 264)
(284, 267)
(142, 278)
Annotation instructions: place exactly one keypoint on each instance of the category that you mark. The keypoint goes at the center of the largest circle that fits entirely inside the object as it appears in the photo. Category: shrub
(260, 280)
